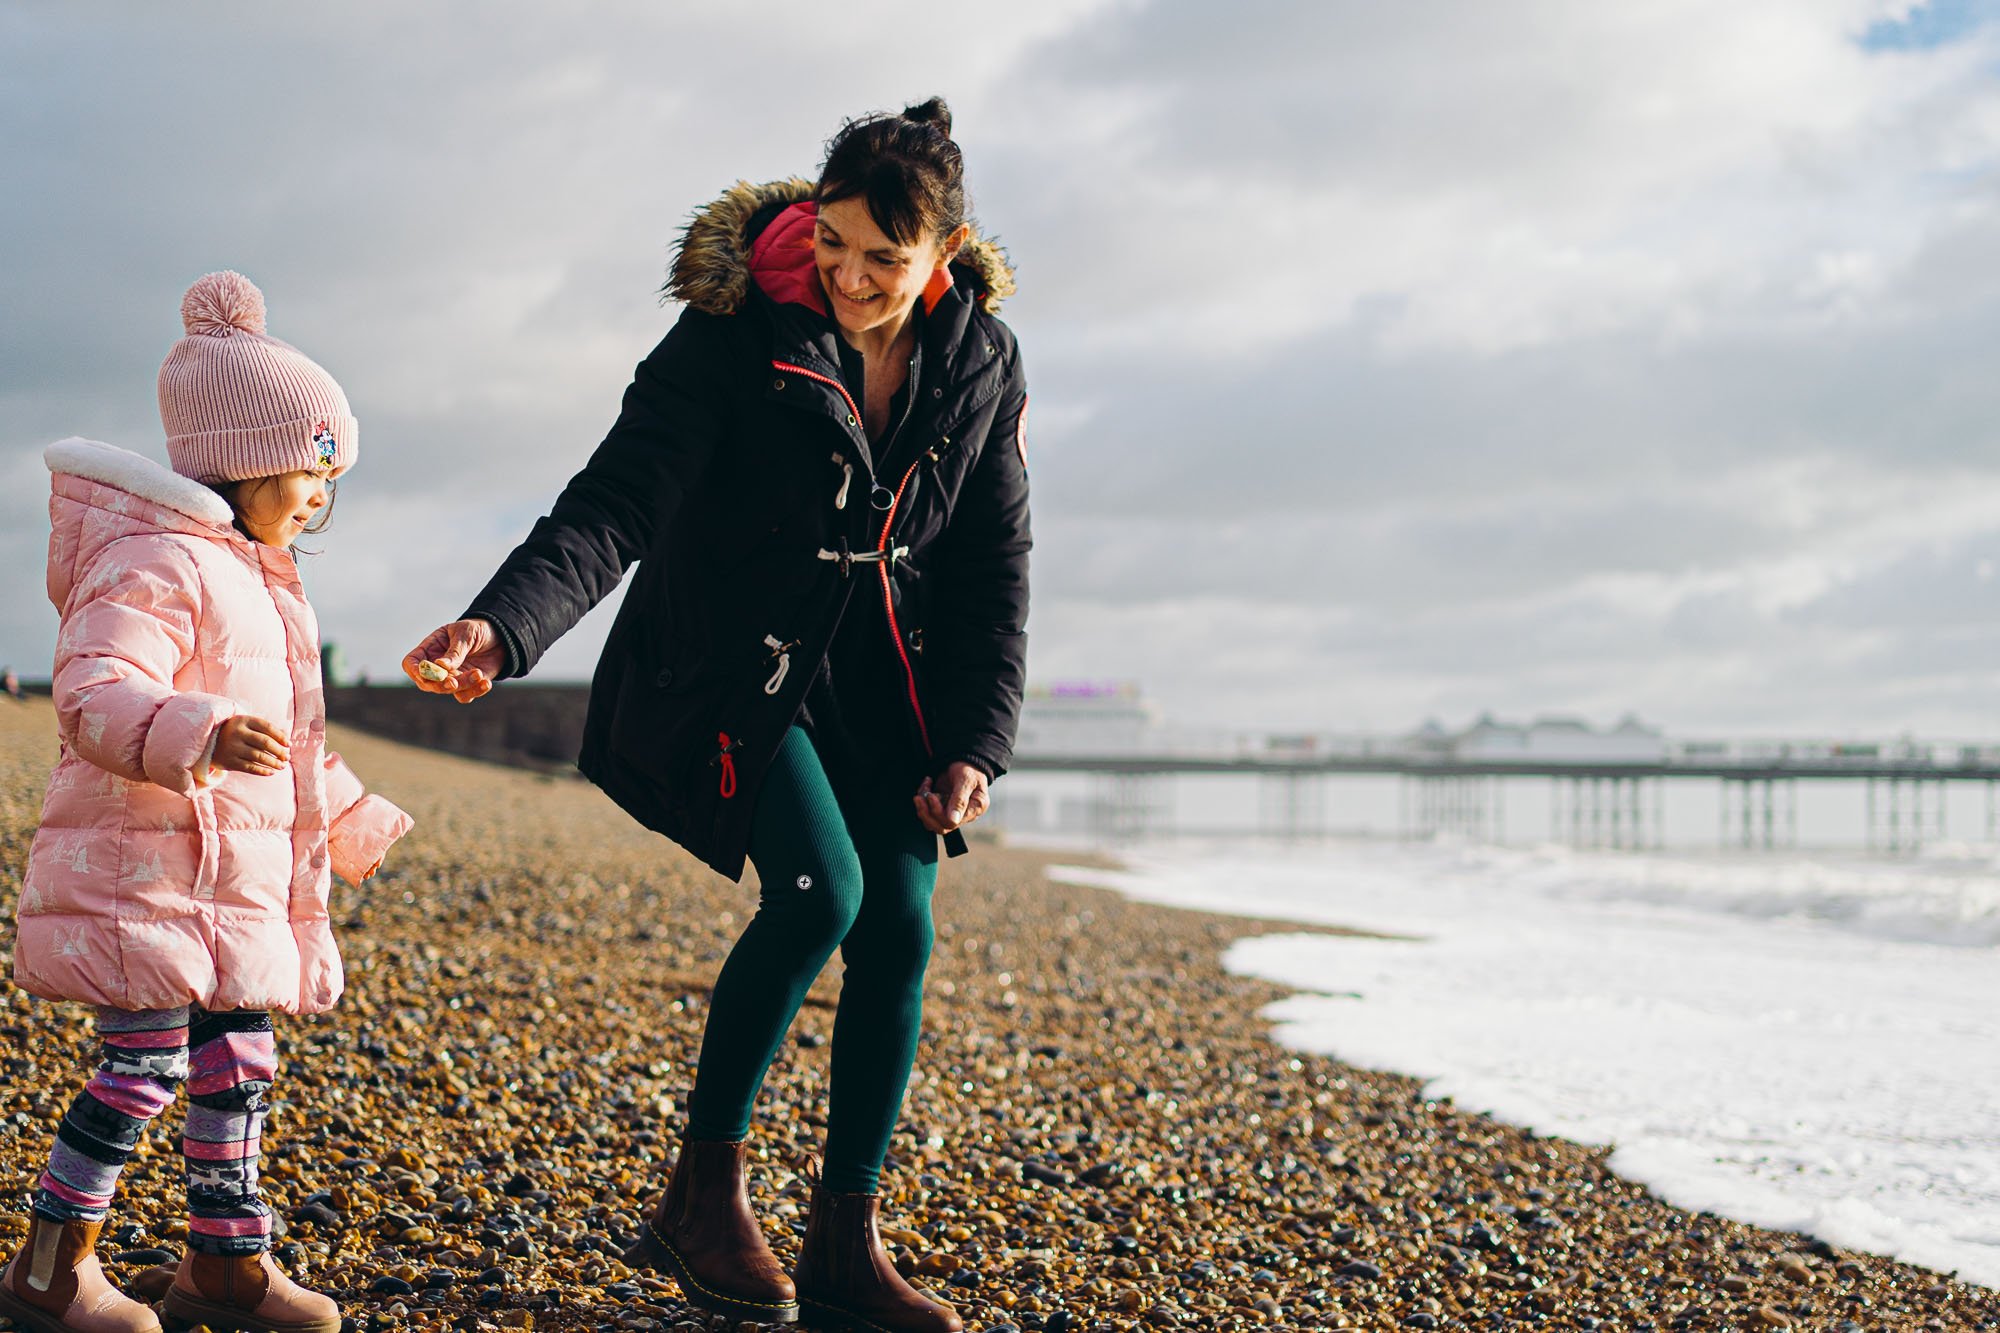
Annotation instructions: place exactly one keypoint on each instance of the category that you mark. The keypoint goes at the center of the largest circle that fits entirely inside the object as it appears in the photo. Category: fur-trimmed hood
(101, 493)
(711, 266)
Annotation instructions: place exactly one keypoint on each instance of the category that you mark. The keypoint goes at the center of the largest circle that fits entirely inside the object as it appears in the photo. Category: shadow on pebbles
(1099, 1134)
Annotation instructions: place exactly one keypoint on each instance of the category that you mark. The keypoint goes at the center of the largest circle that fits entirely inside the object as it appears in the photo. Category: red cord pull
(728, 783)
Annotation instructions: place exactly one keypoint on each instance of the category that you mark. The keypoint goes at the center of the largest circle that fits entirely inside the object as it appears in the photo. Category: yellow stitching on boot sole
(682, 1275)
(840, 1313)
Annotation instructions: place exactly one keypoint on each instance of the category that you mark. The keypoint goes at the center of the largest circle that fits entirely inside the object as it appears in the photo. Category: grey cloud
(1387, 360)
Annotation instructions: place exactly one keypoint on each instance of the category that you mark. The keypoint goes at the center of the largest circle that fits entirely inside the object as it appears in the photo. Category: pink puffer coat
(154, 879)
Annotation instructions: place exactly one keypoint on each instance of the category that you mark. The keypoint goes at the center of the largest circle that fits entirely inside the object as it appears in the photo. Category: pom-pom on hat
(239, 403)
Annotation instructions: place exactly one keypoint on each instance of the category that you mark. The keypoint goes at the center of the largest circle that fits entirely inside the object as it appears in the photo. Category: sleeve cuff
(180, 741)
(205, 773)
(360, 838)
(985, 764)
(510, 643)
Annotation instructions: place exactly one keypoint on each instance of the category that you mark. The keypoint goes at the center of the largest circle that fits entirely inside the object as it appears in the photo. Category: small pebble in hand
(432, 672)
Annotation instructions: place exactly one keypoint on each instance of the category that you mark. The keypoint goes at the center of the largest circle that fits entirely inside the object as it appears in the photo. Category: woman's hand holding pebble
(469, 653)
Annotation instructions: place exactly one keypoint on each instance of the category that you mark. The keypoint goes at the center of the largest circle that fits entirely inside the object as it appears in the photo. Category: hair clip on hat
(328, 447)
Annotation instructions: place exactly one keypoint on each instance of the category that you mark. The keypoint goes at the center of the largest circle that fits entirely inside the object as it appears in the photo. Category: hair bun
(222, 304)
(933, 112)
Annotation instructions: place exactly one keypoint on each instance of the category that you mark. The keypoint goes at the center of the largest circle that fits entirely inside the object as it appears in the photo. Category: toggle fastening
(846, 559)
(846, 480)
(783, 652)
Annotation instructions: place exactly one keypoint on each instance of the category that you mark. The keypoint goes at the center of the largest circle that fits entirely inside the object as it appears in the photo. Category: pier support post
(1122, 804)
(1294, 805)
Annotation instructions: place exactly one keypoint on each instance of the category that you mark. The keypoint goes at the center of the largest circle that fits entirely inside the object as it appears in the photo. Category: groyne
(525, 724)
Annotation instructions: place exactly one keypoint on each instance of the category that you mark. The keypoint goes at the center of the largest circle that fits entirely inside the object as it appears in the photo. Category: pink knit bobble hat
(238, 403)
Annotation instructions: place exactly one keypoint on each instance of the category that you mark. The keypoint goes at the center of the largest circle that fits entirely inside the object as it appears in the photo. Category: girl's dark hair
(906, 167)
(233, 493)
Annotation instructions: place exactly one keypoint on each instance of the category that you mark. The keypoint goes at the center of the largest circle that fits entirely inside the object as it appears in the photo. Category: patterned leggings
(227, 1062)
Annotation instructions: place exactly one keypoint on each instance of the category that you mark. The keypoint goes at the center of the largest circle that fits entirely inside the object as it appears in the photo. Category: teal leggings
(847, 871)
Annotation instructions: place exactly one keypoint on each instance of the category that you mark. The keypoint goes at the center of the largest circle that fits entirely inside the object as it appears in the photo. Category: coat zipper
(931, 456)
(889, 607)
(882, 542)
(882, 567)
(853, 412)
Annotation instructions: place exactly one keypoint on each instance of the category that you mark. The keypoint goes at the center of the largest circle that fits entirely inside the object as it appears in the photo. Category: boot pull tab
(42, 1264)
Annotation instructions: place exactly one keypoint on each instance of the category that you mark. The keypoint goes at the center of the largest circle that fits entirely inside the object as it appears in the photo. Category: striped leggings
(227, 1061)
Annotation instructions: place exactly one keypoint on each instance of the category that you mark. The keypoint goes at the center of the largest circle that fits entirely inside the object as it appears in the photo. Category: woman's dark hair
(236, 492)
(906, 167)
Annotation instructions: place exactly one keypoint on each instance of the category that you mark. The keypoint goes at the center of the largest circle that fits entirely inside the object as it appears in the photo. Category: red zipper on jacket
(889, 606)
(854, 413)
(882, 544)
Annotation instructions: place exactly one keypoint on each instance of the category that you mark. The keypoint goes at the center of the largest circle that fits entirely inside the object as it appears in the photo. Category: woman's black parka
(726, 479)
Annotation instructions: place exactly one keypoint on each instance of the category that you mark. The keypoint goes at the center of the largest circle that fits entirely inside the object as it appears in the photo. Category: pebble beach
(1101, 1133)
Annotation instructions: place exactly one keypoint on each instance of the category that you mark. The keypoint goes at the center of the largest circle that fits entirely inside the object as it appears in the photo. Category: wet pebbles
(1100, 1134)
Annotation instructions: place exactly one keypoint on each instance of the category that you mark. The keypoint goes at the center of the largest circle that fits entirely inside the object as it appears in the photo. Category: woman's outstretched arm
(602, 523)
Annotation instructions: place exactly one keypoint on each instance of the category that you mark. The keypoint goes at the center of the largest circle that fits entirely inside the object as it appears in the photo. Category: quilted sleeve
(364, 827)
(128, 628)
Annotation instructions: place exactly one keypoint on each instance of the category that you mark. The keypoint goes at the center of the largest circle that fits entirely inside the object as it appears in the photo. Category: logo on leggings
(804, 882)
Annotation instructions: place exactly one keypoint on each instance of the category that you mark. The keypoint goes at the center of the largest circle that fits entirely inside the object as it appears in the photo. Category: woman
(821, 475)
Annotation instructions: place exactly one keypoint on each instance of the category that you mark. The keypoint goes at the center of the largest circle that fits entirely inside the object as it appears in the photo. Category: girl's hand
(250, 745)
(471, 654)
(960, 798)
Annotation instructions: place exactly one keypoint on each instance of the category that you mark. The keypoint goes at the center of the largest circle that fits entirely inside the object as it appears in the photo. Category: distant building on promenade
(1548, 738)
(1086, 717)
(1079, 717)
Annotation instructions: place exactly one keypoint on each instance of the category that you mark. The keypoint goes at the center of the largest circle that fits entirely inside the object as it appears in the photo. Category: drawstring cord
(727, 758)
(846, 480)
(783, 652)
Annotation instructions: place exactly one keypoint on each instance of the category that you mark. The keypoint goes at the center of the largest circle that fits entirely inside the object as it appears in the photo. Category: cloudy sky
(1387, 360)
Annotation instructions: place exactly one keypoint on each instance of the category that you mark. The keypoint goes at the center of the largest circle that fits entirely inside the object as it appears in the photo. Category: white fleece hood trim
(136, 474)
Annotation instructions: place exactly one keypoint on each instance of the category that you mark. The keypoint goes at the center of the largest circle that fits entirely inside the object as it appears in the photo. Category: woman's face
(871, 281)
(277, 509)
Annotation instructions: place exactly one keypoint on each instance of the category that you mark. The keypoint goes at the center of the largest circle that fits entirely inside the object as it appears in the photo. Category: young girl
(178, 881)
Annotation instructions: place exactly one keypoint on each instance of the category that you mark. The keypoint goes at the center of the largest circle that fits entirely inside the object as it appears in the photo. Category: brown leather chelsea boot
(56, 1283)
(706, 1237)
(845, 1277)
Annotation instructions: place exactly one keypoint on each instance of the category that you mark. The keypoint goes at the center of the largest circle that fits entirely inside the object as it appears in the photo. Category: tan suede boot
(56, 1283)
(246, 1292)
(846, 1279)
(705, 1235)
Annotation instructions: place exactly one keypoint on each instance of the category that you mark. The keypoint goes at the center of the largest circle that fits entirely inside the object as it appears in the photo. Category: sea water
(1807, 1042)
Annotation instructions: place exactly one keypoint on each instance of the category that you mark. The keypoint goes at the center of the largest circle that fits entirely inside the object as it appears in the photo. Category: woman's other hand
(470, 653)
(956, 799)
(250, 745)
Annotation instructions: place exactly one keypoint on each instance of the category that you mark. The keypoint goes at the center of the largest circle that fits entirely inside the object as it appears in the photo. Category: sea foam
(1802, 1042)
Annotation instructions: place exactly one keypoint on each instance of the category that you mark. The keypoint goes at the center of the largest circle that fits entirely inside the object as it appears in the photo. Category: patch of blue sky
(1932, 24)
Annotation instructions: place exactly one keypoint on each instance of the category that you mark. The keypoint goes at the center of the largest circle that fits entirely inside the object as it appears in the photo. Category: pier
(1602, 802)
(1599, 788)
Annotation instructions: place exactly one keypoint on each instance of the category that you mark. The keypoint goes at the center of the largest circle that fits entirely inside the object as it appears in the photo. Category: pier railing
(1595, 799)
